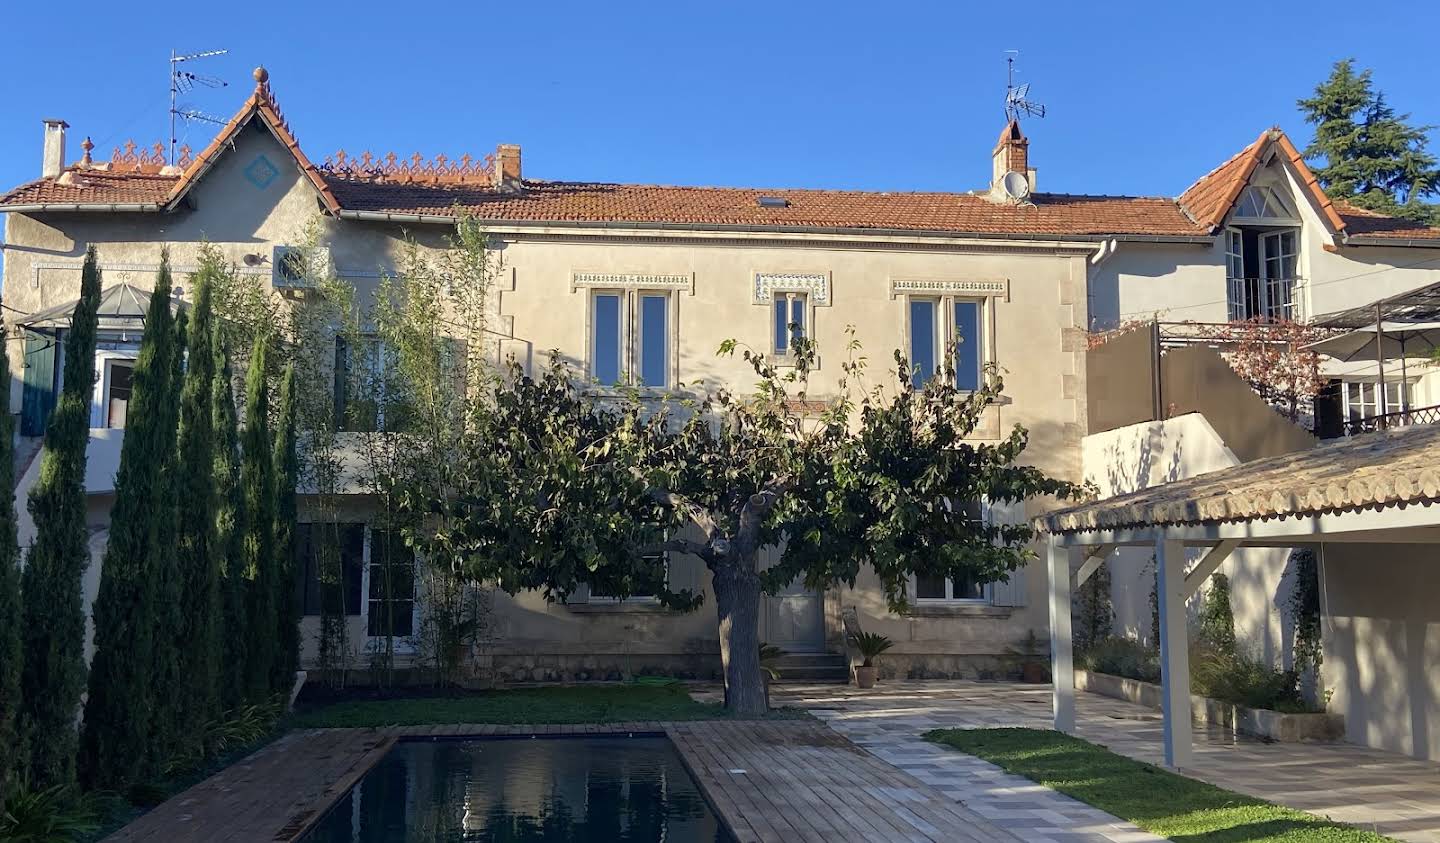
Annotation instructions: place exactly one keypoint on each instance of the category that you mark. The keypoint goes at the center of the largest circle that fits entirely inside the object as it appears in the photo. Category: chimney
(507, 165)
(54, 148)
(1012, 154)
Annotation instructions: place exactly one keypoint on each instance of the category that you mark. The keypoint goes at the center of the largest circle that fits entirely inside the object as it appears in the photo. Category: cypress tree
(53, 626)
(196, 567)
(165, 730)
(10, 652)
(228, 538)
(118, 708)
(257, 483)
(287, 475)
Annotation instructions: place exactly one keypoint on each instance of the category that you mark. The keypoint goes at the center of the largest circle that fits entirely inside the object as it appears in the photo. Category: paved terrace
(1392, 794)
(789, 781)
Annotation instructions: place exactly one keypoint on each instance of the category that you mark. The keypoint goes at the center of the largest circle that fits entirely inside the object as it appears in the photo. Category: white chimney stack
(54, 148)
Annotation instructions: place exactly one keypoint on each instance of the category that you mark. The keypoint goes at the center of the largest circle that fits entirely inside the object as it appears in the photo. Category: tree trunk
(737, 605)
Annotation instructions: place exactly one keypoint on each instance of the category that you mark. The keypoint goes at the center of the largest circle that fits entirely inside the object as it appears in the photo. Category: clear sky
(1143, 97)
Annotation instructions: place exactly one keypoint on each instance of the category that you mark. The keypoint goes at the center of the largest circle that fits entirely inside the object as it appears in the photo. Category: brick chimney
(54, 160)
(1012, 154)
(507, 165)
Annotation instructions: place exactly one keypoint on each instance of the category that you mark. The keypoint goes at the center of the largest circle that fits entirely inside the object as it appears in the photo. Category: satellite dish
(1015, 185)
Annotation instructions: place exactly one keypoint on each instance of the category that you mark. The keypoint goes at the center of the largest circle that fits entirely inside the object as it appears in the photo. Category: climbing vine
(1305, 611)
(1094, 610)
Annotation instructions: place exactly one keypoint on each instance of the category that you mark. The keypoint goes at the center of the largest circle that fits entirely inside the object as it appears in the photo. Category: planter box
(1256, 722)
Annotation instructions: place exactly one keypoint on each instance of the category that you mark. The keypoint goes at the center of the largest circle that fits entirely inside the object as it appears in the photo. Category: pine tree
(10, 652)
(198, 640)
(165, 735)
(118, 708)
(1372, 157)
(287, 475)
(53, 625)
(257, 482)
(229, 524)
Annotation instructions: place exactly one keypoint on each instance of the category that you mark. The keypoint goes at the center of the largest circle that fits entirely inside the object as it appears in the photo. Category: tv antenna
(1016, 102)
(183, 81)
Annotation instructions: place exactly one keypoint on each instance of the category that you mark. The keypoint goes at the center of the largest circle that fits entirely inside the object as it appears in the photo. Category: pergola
(1376, 488)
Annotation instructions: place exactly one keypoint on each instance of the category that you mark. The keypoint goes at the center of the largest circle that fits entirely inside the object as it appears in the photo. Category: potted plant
(1034, 658)
(870, 645)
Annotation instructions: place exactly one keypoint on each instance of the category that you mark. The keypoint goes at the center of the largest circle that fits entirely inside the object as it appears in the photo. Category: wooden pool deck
(769, 780)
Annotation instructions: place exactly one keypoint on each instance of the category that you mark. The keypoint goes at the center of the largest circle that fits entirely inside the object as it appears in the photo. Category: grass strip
(1154, 799)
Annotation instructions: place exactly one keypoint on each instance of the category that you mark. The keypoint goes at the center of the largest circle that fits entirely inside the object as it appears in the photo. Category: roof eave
(1407, 242)
(619, 225)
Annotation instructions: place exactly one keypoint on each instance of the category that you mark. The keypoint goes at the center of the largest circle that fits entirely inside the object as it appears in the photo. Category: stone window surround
(630, 286)
(946, 293)
(765, 286)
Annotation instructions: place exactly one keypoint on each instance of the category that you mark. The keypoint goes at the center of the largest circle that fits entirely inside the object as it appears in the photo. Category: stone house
(600, 272)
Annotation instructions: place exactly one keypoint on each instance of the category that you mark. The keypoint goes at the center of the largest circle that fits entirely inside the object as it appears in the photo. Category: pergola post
(1174, 650)
(1063, 663)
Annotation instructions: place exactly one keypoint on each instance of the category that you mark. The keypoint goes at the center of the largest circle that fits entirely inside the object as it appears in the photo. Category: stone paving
(1392, 794)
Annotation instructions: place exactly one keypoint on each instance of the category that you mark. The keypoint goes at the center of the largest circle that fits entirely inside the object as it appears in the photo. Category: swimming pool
(520, 789)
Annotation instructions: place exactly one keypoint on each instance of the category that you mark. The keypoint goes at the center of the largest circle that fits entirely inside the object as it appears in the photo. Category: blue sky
(1142, 97)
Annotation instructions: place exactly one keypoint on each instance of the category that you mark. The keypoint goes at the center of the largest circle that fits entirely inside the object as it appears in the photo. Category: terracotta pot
(865, 677)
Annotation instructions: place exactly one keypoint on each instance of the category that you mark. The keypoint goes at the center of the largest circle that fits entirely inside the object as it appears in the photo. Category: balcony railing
(1264, 298)
(1400, 418)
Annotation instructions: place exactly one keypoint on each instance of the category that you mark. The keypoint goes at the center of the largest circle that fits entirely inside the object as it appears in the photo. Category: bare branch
(696, 513)
(693, 548)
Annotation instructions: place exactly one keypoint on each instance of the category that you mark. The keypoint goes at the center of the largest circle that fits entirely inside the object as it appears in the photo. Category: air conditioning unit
(296, 269)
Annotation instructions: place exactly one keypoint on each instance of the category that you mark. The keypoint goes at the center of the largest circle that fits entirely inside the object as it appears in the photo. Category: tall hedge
(197, 569)
(229, 530)
(257, 482)
(166, 738)
(287, 475)
(53, 620)
(10, 652)
(122, 689)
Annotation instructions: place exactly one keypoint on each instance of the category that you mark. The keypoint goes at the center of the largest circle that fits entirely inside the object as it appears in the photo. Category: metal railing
(1264, 298)
(1399, 418)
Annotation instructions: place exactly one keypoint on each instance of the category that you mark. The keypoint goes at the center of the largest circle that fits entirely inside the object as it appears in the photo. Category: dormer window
(1259, 203)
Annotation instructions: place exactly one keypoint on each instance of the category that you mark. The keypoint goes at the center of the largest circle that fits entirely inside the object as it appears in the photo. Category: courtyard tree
(287, 475)
(199, 630)
(1364, 152)
(228, 538)
(257, 483)
(122, 687)
(565, 487)
(10, 653)
(53, 620)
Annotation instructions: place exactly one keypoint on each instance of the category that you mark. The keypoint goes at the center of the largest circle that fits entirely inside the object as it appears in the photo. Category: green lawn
(1157, 800)
(556, 704)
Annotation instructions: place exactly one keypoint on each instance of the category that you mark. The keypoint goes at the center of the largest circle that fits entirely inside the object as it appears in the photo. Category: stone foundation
(948, 666)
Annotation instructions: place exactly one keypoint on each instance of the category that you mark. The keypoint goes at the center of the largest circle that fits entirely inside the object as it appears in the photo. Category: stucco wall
(1382, 644)
(1143, 455)
(1034, 332)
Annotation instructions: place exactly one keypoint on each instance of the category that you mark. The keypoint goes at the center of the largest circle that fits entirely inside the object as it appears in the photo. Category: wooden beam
(1213, 560)
(1094, 558)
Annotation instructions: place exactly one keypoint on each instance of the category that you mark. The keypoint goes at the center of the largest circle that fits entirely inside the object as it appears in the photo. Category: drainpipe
(1104, 251)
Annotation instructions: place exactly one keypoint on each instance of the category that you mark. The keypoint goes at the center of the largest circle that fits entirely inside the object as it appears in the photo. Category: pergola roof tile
(1377, 470)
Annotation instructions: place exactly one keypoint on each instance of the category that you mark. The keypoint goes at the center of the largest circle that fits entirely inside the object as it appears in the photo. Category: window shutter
(38, 395)
(1012, 591)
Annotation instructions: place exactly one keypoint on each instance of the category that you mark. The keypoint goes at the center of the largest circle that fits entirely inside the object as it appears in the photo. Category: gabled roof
(261, 104)
(1209, 200)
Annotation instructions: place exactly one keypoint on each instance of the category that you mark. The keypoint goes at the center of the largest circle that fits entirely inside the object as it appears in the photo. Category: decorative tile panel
(261, 172)
(814, 285)
(624, 280)
(999, 288)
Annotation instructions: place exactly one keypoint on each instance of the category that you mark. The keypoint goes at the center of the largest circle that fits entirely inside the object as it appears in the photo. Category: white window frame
(404, 645)
(99, 398)
(1403, 398)
(789, 297)
(632, 335)
(945, 327)
(987, 590)
(1277, 298)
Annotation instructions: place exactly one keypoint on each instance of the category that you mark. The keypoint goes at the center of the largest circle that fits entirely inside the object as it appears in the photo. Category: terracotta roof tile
(1363, 222)
(1211, 197)
(961, 213)
(1390, 468)
(98, 187)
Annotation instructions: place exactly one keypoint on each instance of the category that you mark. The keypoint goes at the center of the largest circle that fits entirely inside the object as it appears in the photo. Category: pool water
(543, 789)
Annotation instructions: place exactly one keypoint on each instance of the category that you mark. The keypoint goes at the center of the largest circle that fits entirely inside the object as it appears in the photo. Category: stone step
(810, 660)
(812, 668)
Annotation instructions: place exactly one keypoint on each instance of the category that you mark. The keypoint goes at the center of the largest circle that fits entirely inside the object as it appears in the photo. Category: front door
(794, 619)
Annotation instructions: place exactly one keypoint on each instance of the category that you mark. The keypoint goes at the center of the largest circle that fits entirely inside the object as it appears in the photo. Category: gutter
(98, 207)
(1104, 252)
(1407, 242)
(617, 225)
